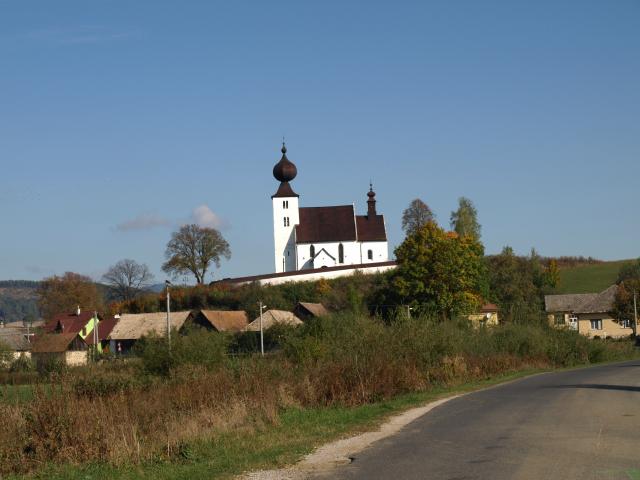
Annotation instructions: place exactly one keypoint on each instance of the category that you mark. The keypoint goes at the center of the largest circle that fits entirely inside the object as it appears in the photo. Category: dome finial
(284, 147)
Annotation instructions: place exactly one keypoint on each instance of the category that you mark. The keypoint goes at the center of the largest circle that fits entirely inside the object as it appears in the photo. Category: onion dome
(284, 170)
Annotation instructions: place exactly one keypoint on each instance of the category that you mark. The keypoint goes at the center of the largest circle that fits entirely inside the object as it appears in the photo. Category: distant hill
(589, 278)
(18, 299)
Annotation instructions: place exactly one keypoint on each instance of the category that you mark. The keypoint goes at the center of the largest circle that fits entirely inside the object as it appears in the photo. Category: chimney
(78, 311)
(371, 202)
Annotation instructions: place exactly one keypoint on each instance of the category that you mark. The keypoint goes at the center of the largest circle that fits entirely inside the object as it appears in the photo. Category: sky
(121, 121)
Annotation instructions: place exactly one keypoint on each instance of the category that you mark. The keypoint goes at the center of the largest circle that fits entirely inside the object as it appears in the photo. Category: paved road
(580, 424)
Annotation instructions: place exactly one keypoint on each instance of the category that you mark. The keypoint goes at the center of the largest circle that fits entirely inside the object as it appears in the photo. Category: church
(309, 238)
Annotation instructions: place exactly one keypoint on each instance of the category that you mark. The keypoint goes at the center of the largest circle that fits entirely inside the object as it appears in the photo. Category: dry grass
(336, 362)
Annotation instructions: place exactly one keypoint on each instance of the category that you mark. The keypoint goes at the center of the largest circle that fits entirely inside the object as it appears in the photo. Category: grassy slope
(589, 278)
(298, 432)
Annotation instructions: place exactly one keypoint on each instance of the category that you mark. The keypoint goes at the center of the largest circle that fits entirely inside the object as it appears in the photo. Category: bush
(197, 347)
(22, 364)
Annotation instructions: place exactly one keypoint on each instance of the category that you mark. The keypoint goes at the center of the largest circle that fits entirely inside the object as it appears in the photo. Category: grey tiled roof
(581, 302)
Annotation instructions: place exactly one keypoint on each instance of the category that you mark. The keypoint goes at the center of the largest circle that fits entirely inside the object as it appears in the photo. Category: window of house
(84, 331)
(370, 254)
(312, 251)
(596, 324)
(626, 323)
(573, 319)
(558, 319)
(340, 253)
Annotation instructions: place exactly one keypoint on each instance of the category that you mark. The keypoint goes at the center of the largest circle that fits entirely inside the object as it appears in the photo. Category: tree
(628, 284)
(63, 294)
(439, 272)
(629, 271)
(553, 273)
(127, 278)
(415, 216)
(464, 221)
(192, 249)
(517, 284)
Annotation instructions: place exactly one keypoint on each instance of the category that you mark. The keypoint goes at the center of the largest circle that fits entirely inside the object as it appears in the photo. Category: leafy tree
(127, 278)
(415, 216)
(439, 272)
(517, 284)
(464, 221)
(192, 249)
(60, 294)
(628, 284)
(553, 274)
(629, 271)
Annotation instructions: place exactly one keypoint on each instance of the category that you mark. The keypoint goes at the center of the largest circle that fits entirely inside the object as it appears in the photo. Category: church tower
(286, 215)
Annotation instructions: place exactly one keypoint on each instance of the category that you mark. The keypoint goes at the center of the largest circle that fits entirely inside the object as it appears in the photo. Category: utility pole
(95, 335)
(168, 284)
(262, 307)
(635, 314)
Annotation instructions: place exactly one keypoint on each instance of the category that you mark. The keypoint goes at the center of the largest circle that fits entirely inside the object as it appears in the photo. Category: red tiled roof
(104, 329)
(326, 224)
(371, 228)
(69, 322)
(489, 307)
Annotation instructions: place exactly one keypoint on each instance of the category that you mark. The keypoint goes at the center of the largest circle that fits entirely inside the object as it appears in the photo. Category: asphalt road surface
(580, 424)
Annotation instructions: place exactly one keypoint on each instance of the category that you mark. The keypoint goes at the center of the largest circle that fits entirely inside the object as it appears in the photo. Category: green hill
(589, 278)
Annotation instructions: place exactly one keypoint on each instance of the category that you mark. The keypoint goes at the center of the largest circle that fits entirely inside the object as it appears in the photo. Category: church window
(340, 253)
(286, 221)
(285, 204)
(312, 251)
(370, 254)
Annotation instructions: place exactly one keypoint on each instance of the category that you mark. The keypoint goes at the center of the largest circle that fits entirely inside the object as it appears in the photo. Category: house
(306, 310)
(67, 348)
(487, 316)
(131, 327)
(77, 322)
(17, 337)
(309, 238)
(219, 320)
(105, 327)
(271, 318)
(588, 313)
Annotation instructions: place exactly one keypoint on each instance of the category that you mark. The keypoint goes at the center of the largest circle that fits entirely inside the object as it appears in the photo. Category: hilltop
(589, 278)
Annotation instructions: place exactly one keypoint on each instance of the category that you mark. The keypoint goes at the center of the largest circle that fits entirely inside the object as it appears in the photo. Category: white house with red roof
(311, 238)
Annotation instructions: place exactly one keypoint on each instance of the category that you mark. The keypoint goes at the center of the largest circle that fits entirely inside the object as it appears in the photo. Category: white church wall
(379, 250)
(351, 254)
(312, 276)
(285, 217)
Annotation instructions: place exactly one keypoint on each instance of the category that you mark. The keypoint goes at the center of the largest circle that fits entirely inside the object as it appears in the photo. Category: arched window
(312, 251)
(370, 254)
(286, 221)
(340, 253)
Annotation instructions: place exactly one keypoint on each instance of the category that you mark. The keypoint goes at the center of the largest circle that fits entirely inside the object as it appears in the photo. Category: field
(589, 278)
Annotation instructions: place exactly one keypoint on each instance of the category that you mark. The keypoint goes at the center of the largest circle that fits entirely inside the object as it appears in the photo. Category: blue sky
(121, 120)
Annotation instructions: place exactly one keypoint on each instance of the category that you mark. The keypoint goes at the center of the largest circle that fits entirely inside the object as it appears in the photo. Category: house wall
(17, 355)
(73, 359)
(488, 319)
(610, 327)
(284, 236)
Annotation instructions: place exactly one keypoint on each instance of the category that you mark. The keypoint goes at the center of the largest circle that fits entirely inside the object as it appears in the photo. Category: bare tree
(127, 278)
(416, 215)
(193, 249)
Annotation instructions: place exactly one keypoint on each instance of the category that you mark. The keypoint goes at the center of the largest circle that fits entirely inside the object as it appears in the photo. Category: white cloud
(205, 217)
(144, 221)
